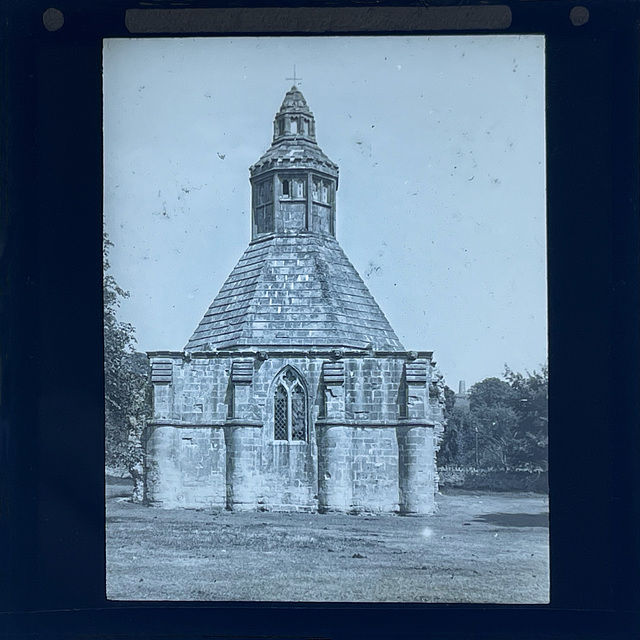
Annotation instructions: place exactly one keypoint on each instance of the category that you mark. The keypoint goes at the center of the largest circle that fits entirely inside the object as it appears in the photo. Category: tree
(449, 400)
(506, 424)
(448, 451)
(511, 418)
(127, 392)
(458, 446)
(498, 438)
(491, 392)
(531, 404)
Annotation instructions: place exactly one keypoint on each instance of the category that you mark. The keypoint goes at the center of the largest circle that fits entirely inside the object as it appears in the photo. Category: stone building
(462, 397)
(294, 392)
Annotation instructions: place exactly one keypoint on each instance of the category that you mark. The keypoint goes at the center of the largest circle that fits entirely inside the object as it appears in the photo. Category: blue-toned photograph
(325, 319)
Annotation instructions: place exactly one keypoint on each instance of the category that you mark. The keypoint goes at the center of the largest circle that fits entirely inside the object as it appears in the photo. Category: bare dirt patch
(477, 548)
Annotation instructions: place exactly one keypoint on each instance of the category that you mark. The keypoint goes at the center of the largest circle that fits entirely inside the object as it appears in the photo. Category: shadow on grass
(515, 519)
(118, 487)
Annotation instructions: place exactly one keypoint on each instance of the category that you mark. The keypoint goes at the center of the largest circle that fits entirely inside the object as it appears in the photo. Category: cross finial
(296, 80)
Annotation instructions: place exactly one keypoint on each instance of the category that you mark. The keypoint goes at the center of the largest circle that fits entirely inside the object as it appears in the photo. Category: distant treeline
(503, 432)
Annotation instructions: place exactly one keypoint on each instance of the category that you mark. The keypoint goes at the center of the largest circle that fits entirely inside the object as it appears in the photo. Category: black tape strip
(318, 20)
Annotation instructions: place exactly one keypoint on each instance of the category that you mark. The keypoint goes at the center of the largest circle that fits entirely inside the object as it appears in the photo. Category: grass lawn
(479, 547)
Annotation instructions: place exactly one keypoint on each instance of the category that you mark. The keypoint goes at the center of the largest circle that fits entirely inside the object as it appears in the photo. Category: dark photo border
(52, 576)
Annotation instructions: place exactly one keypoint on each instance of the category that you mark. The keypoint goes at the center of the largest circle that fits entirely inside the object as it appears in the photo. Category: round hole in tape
(53, 19)
(579, 16)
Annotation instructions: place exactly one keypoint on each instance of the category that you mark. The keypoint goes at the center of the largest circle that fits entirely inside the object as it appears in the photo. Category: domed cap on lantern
(294, 139)
(294, 119)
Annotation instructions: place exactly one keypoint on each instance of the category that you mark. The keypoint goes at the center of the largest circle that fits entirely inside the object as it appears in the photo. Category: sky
(441, 202)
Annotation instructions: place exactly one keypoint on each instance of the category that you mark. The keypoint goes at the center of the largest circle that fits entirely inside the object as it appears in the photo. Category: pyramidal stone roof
(294, 287)
(294, 292)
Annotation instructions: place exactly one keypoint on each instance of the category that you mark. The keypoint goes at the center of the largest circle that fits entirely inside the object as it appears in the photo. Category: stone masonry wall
(371, 388)
(374, 469)
(212, 441)
(186, 467)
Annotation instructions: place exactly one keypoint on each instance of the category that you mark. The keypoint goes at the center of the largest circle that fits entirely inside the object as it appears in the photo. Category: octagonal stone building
(294, 393)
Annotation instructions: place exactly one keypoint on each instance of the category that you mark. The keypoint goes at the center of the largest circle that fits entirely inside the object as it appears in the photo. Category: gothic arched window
(289, 408)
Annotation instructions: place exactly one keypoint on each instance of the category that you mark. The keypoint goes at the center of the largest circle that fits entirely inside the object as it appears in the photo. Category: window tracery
(289, 408)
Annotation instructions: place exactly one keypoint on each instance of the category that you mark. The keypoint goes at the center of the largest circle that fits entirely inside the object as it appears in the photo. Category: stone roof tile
(300, 291)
